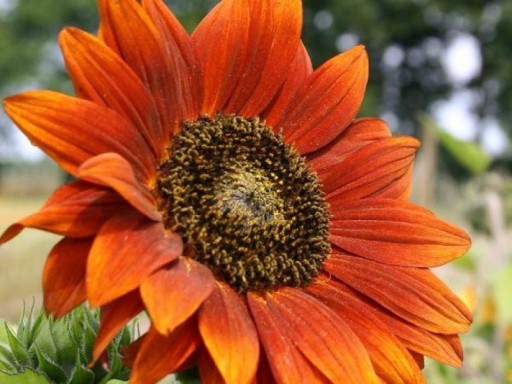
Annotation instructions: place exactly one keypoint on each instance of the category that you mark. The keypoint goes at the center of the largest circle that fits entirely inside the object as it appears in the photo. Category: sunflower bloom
(226, 188)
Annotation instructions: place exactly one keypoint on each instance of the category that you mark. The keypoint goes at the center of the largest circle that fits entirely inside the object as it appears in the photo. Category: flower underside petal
(64, 276)
(77, 209)
(112, 170)
(127, 249)
(171, 295)
(158, 355)
(395, 232)
(229, 334)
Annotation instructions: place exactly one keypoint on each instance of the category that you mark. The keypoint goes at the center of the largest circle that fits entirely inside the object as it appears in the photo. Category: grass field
(22, 259)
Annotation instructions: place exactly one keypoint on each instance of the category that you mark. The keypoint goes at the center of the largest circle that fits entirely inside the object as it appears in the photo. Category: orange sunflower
(226, 188)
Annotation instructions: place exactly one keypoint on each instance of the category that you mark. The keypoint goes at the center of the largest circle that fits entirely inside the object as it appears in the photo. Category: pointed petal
(114, 316)
(159, 64)
(127, 249)
(173, 294)
(372, 171)
(413, 294)
(112, 170)
(207, 369)
(318, 333)
(229, 334)
(358, 134)
(395, 232)
(391, 360)
(100, 75)
(228, 22)
(161, 355)
(274, 36)
(72, 130)
(77, 209)
(64, 276)
(327, 102)
(288, 365)
(299, 71)
(179, 47)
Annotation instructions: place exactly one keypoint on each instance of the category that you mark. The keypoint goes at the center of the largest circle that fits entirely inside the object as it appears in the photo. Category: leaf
(27, 377)
(468, 154)
(503, 294)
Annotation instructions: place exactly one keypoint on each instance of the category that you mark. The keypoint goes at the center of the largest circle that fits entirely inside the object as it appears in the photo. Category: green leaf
(19, 350)
(468, 154)
(503, 294)
(50, 367)
(27, 377)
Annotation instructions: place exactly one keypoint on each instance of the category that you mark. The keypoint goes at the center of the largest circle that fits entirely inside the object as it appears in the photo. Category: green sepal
(26, 377)
(81, 374)
(19, 352)
(50, 367)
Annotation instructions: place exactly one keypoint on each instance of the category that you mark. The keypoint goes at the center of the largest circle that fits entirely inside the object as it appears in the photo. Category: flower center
(246, 204)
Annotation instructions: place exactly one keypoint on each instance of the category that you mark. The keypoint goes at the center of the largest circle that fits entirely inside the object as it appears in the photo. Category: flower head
(227, 189)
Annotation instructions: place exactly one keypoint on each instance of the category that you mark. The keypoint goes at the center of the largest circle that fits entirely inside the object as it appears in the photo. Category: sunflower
(227, 189)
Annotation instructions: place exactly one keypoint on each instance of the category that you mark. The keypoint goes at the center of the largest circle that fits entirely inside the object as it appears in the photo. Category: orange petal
(72, 130)
(325, 339)
(288, 365)
(274, 36)
(391, 360)
(228, 22)
(207, 369)
(160, 355)
(299, 71)
(395, 232)
(103, 77)
(413, 294)
(372, 171)
(157, 62)
(180, 47)
(114, 316)
(358, 134)
(77, 209)
(64, 276)
(229, 334)
(173, 294)
(327, 102)
(127, 249)
(112, 170)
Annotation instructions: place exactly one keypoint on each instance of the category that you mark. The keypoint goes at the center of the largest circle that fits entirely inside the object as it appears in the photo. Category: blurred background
(440, 70)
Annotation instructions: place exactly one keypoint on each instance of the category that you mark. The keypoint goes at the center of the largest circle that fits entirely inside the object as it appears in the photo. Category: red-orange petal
(72, 130)
(318, 332)
(274, 36)
(372, 171)
(207, 369)
(228, 22)
(395, 232)
(112, 170)
(288, 365)
(413, 294)
(100, 75)
(127, 249)
(299, 71)
(158, 63)
(391, 360)
(327, 102)
(64, 276)
(173, 294)
(114, 316)
(77, 209)
(358, 134)
(160, 355)
(180, 47)
(229, 334)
